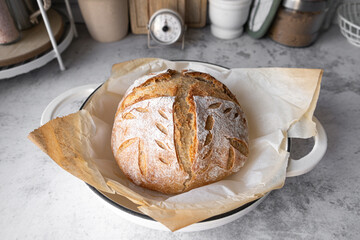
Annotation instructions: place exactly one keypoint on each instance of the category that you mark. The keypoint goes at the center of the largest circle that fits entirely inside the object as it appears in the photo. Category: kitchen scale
(166, 27)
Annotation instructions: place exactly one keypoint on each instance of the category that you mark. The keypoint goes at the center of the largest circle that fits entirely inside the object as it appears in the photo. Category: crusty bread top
(193, 152)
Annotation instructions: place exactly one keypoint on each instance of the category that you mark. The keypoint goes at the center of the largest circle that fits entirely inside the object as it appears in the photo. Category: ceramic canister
(106, 20)
(228, 17)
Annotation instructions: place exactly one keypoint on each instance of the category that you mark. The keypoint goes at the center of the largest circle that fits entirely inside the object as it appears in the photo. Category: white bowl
(128, 210)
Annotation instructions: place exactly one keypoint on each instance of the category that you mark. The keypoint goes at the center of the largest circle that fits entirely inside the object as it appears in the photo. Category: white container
(106, 20)
(228, 17)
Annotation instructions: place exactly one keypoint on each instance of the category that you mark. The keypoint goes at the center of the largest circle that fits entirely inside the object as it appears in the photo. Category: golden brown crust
(185, 147)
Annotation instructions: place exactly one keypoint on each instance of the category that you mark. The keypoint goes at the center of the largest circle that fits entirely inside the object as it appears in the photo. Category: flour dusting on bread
(177, 131)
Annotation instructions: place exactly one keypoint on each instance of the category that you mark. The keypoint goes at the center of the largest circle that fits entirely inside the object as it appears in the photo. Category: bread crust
(178, 131)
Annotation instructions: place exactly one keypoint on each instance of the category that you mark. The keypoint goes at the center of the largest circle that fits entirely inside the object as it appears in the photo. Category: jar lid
(305, 5)
(261, 16)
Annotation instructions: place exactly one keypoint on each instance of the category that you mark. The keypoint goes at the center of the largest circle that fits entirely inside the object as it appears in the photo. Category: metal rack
(349, 22)
(40, 61)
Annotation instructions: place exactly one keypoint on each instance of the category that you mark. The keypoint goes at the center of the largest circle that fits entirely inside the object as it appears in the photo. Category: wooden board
(33, 42)
(193, 11)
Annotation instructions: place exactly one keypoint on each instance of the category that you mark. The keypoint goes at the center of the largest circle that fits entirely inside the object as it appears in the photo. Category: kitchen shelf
(41, 60)
(34, 41)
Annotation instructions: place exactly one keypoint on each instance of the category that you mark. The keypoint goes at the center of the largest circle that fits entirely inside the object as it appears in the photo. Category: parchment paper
(278, 102)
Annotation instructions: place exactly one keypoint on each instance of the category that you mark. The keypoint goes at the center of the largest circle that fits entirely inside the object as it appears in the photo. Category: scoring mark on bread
(163, 160)
(208, 154)
(142, 110)
(126, 144)
(227, 110)
(141, 158)
(160, 144)
(169, 147)
(128, 116)
(215, 105)
(208, 138)
(209, 124)
(163, 114)
(231, 158)
(161, 128)
(239, 145)
(200, 79)
(203, 170)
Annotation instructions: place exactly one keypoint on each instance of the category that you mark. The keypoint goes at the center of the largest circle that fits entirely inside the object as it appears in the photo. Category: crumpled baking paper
(278, 102)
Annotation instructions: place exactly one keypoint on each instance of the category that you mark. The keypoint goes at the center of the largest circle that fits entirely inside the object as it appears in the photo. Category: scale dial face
(166, 27)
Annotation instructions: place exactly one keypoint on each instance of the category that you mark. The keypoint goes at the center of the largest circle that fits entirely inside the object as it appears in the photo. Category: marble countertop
(39, 200)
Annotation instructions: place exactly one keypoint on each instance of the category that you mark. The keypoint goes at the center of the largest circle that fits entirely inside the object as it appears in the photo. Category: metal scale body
(166, 27)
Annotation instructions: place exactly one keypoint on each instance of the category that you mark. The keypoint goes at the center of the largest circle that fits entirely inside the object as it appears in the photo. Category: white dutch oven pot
(128, 210)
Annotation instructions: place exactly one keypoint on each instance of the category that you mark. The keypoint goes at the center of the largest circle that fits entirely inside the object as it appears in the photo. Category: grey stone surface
(38, 200)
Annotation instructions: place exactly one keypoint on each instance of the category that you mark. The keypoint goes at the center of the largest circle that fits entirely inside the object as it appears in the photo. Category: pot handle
(64, 99)
(308, 162)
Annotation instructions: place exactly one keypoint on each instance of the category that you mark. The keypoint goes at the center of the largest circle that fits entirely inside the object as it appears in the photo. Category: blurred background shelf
(41, 59)
(34, 41)
(34, 49)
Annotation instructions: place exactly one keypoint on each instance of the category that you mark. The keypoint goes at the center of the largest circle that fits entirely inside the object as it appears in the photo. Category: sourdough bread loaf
(177, 131)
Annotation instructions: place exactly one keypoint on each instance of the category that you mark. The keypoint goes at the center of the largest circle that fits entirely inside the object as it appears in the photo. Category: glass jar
(8, 31)
(20, 13)
(298, 22)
